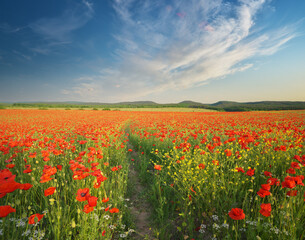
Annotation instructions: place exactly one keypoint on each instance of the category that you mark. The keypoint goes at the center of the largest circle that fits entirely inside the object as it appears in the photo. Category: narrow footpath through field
(140, 209)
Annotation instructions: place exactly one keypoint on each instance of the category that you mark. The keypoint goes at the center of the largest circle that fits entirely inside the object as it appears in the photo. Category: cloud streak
(57, 31)
(180, 45)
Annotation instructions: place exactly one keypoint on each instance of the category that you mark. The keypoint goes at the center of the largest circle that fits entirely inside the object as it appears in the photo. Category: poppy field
(212, 175)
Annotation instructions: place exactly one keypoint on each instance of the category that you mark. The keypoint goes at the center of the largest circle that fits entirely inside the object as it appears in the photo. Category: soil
(140, 208)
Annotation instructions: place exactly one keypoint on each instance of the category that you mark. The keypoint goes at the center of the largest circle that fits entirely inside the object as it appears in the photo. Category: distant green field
(185, 106)
(168, 109)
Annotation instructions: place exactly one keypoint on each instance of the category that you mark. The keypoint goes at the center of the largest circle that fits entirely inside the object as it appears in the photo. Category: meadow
(64, 174)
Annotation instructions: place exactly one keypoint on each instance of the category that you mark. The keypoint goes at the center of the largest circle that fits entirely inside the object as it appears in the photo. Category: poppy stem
(236, 230)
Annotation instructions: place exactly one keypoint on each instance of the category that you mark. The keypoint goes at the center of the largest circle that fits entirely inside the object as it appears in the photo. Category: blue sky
(164, 51)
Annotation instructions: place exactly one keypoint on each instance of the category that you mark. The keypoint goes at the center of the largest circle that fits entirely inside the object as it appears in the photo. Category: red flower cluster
(8, 183)
(265, 209)
(49, 191)
(264, 191)
(83, 195)
(48, 171)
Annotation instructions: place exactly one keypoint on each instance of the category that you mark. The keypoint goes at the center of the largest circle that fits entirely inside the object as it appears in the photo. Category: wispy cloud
(23, 56)
(186, 43)
(5, 27)
(86, 89)
(58, 30)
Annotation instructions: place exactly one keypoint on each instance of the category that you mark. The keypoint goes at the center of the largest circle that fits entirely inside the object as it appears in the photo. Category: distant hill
(224, 104)
(190, 103)
(228, 106)
(258, 106)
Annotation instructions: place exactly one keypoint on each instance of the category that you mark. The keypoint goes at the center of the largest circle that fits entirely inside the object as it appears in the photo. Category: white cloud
(85, 89)
(172, 47)
(59, 28)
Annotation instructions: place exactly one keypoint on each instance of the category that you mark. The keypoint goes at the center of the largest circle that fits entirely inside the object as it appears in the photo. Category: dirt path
(140, 208)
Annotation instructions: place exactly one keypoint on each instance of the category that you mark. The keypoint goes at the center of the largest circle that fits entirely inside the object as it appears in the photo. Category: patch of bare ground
(140, 209)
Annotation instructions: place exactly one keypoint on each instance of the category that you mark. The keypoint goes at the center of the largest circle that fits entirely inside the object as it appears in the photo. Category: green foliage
(221, 106)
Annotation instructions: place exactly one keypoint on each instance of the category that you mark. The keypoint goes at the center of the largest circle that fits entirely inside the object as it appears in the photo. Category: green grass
(166, 109)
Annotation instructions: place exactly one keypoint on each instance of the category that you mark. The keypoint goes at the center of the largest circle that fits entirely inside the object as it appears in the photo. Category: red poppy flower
(92, 201)
(240, 169)
(6, 176)
(250, 172)
(268, 174)
(5, 210)
(82, 194)
(298, 180)
(45, 178)
(35, 218)
(59, 167)
(27, 171)
(45, 153)
(49, 170)
(266, 187)
(94, 164)
(8, 187)
(32, 155)
(265, 209)
(49, 191)
(158, 167)
(10, 165)
(291, 171)
(237, 214)
(228, 152)
(104, 200)
(215, 162)
(273, 181)
(114, 169)
(97, 185)
(263, 193)
(114, 210)
(288, 183)
(295, 165)
(88, 209)
(101, 178)
(25, 186)
(201, 166)
(79, 175)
